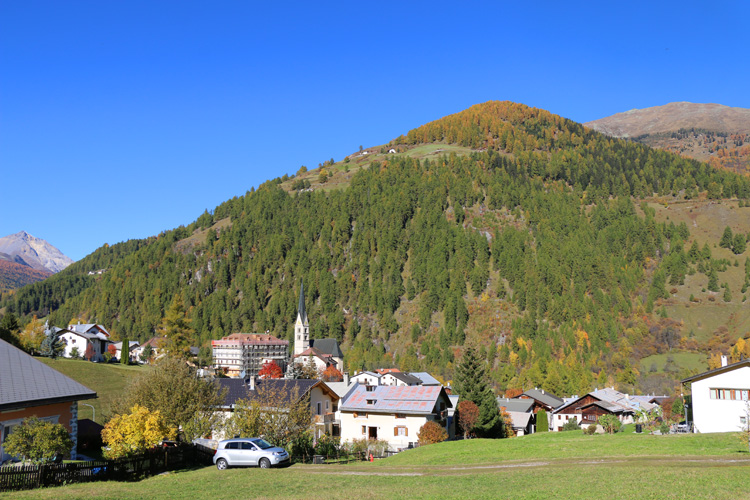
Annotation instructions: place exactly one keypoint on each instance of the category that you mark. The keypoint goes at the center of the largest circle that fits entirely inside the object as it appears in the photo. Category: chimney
(723, 361)
(542, 391)
(346, 379)
(251, 382)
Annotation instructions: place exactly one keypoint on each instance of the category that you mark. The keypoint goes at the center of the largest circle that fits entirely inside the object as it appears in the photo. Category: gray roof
(327, 346)
(716, 371)
(405, 378)
(520, 420)
(341, 388)
(519, 405)
(426, 378)
(238, 388)
(545, 397)
(28, 382)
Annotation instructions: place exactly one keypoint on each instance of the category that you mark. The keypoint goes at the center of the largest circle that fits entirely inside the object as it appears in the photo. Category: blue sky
(119, 120)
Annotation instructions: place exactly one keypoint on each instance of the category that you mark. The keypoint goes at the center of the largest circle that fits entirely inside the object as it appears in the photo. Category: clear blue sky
(122, 119)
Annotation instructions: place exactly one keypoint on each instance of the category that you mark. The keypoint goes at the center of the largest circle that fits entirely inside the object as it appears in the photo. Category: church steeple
(301, 313)
(301, 326)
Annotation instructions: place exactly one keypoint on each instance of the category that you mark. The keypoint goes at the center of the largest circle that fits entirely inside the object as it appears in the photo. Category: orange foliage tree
(431, 432)
(332, 374)
(270, 370)
(468, 413)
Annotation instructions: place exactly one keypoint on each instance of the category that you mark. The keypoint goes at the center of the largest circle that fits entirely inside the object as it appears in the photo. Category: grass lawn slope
(107, 379)
(565, 465)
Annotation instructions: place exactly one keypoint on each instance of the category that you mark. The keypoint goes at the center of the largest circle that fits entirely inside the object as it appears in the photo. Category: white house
(366, 378)
(391, 413)
(81, 336)
(399, 378)
(721, 397)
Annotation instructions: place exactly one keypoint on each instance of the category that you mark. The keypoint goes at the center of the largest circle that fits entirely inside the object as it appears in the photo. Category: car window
(232, 446)
(262, 444)
(247, 445)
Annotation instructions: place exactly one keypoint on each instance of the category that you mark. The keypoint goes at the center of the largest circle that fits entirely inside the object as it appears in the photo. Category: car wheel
(221, 464)
(264, 463)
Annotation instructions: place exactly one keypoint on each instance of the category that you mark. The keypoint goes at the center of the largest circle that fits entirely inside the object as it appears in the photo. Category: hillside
(501, 225)
(14, 275)
(713, 133)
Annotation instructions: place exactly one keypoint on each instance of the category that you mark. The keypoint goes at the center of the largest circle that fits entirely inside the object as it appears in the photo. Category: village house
(324, 402)
(587, 409)
(80, 337)
(31, 388)
(394, 414)
(132, 352)
(721, 397)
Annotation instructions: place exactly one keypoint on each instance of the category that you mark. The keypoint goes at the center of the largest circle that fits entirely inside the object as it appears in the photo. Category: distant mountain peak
(34, 252)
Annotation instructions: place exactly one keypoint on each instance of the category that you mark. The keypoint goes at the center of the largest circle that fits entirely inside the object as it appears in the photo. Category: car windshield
(263, 445)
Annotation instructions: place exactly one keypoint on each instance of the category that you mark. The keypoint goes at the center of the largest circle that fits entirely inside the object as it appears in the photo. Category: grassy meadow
(107, 379)
(555, 465)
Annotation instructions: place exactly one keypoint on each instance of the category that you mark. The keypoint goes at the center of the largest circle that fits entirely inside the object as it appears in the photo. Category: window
(319, 408)
(730, 394)
(371, 401)
(400, 415)
(370, 388)
(364, 430)
(232, 446)
(327, 404)
(400, 431)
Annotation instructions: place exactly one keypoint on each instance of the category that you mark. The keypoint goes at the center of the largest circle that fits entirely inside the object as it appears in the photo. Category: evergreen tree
(125, 351)
(727, 238)
(472, 385)
(8, 328)
(52, 346)
(542, 424)
(175, 326)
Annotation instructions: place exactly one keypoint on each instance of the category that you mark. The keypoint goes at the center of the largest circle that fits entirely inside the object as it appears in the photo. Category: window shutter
(395, 431)
(406, 431)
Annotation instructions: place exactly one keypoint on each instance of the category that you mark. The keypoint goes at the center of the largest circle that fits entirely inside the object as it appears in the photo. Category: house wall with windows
(59, 413)
(720, 401)
(398, 429)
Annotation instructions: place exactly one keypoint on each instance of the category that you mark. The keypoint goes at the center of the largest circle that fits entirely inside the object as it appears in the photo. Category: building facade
(243, 354)
(721, 398)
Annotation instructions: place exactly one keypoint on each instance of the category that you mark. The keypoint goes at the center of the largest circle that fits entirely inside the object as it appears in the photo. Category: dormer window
(370, 388)
(371, 401)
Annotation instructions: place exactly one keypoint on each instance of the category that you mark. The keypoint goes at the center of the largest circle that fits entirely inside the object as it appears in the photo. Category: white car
(248, 451)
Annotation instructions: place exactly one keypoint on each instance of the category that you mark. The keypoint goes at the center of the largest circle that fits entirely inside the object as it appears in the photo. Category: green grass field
(108, 380)
(555, 465)
(694, 361)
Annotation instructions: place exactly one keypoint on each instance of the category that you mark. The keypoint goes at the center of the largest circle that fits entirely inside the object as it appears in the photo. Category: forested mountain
(531, 243)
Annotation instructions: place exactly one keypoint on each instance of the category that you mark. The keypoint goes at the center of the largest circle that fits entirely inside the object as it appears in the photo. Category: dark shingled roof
(545, 397)
(519, 405)
(327, 346)
(406, 378)
(26, 382)
(238, 388)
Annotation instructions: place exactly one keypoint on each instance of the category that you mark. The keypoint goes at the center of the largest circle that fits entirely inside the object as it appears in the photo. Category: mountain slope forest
(533, 244)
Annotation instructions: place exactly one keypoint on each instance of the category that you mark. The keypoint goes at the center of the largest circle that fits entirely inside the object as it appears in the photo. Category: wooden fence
(124, 469)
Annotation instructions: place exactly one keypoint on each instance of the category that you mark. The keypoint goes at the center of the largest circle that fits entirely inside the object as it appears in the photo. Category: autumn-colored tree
(175, 326)
(332, 374)
(279, 416)
(112, 350)
(89, 353)
(431, 432)
(135, 432)
(183, 399)
(271, 370)
(38, 441)
(32, 336)
(468, 413)
(513, 392)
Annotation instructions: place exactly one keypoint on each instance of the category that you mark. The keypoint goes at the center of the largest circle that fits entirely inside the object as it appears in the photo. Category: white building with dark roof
(325, 352)
(721, 397)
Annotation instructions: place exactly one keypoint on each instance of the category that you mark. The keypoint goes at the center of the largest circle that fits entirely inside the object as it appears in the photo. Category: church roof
(327, 346)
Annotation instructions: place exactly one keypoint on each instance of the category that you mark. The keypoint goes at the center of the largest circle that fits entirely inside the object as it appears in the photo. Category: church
(324, 352)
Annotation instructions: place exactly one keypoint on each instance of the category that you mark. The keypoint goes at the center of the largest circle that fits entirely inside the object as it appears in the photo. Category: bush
(590, 430)
(38, 441)
(571, 425)
(431, 433)
(134, 433)
(610, 423)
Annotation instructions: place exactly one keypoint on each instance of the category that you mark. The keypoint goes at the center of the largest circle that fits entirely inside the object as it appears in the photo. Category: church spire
(301, 307)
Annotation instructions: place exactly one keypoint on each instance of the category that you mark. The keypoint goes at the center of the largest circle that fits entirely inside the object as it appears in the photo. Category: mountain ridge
(35, 252)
